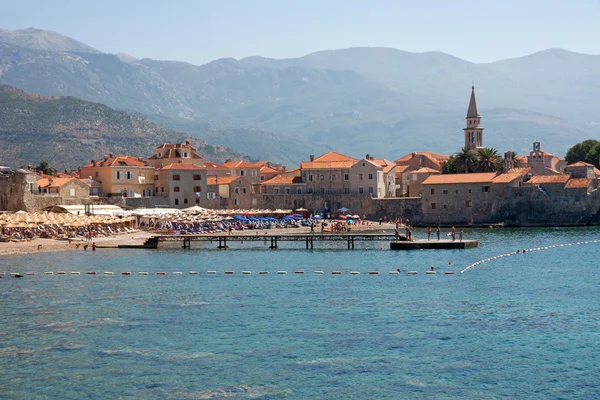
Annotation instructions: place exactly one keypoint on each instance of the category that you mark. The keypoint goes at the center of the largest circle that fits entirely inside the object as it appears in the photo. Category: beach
(38, 245)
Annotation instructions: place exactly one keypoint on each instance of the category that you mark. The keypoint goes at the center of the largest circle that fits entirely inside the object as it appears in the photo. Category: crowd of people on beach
(86, 233)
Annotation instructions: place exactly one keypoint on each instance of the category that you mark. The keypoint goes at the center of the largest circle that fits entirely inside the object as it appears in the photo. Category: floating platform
(433, 244)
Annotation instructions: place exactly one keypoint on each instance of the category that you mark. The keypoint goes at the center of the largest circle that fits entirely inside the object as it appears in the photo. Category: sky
(199, 31)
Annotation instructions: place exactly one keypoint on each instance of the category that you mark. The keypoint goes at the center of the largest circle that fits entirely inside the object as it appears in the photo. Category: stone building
(71, 188)
(244, 169)
(582, 170)
(234, 192)
(545, 163)
(183, 184)
(284, 185)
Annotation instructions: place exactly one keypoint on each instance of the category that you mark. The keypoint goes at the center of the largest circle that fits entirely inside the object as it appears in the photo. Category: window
(445, 191)
(469, 203)
(197, 200)
(197, 189)
(361, 190)
(347, 190)
(287, 191)
(469, 190)
(486, 189)
(155, 177)
(371, 176)
(445, 206)
(334, 177)
(322, 177)
(96, 174)
(235, 202)
(433, 206)
(309, 191)
(162, 189)
(346, 177)
(363, 164)
(185, 200)
(244, 190)
(72, 192)
(310, 178)
(176, 177)
(242, 172)
(176, 202)
(432, 191)
(197, 177)
(176, 189)
(254, 173)
(237, 190)
(360, 177)
(128, 175)
(456, 191)
(211, 195)
(185, 154)
(322, 191)
(118, 174)
(370, 189)
(156, 189)
(299, 190)
(276, 191)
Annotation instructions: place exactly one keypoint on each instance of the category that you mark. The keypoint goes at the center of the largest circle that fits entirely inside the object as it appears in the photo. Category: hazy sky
(199, 31)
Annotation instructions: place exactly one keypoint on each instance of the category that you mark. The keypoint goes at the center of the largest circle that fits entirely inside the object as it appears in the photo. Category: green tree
(581, 152)
(465, 160)
(44, 168)
(449, 166)
(488, 160)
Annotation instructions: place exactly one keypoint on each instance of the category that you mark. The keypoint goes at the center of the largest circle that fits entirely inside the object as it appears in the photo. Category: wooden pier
(433, 244)
(272, 240)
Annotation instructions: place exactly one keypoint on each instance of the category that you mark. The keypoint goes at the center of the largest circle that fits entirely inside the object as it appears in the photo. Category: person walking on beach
(312, 227)
(460, 235)
(429, 233)
(453, 234)
(438, 232)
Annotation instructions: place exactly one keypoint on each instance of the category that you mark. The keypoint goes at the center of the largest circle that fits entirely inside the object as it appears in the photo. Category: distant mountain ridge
(386, 102)
(68, 132)
(45, 40)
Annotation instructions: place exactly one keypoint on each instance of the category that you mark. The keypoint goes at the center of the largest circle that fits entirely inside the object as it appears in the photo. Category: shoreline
(39, 245)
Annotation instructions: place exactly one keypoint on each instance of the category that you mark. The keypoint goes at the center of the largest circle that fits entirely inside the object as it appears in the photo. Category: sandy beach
(137, 238)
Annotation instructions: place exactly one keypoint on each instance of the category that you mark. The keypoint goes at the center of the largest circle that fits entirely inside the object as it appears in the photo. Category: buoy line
(226, 272)
(525, 251)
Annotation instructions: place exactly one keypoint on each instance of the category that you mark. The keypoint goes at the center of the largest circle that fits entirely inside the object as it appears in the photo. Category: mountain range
(381, 101)
(69, 132)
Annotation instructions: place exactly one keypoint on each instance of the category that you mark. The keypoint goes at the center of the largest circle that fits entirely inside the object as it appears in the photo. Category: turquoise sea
(525, 326)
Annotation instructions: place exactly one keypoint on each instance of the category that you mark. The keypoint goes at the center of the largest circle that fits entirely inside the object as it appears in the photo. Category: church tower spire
(473, 131)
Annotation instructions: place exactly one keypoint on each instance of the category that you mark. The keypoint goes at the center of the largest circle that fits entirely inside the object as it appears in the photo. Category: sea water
(525, 326)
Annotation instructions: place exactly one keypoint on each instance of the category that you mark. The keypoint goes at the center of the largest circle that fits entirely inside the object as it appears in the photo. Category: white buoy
(246, 272)
(142, 273)
(48, 273)
(354, 273)
(178, 273)
(281, 272)
(394, 273)
(75, 273)
(430, 272)
(60, 272)
(319, 272)
(30, 273)
(108, 273)
(211, 272)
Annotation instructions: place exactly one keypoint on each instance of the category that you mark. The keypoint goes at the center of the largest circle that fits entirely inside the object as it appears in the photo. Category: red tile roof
(211, 165)
(56, 182)
(332, 156)
(445, 179)
(221, 180)
(548, 179)
(578, 183)
(579, 164)
(512, 174)
(436, 158)
(425, 170)
(118, 161)
(327, 165)
(181, 167)
(283, 180)
(239, 164)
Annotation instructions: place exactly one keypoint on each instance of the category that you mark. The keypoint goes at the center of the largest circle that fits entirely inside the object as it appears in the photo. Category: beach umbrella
(343, 209)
